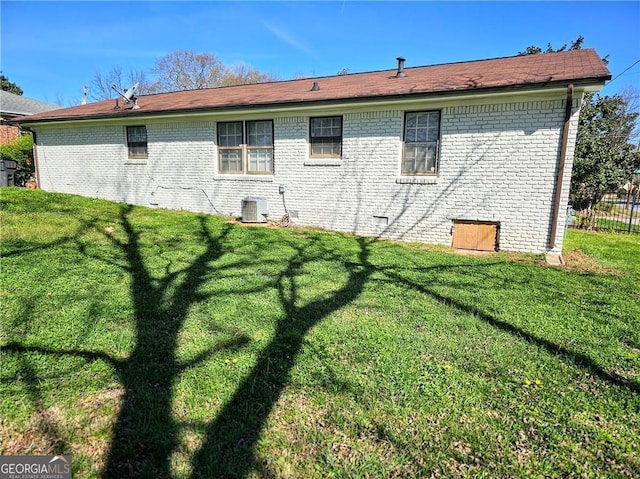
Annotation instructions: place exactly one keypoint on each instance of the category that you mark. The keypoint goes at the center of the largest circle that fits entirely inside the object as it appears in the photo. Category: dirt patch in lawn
(51, 430)
(578, 260)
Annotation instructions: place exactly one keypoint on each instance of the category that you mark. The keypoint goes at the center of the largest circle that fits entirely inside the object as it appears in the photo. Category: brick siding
(497, 163)
(8, 134)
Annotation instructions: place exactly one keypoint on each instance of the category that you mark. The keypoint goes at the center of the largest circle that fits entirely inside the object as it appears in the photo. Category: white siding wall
(497, 162)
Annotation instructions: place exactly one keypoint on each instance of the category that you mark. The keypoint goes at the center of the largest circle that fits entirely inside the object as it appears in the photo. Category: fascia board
(337, 106)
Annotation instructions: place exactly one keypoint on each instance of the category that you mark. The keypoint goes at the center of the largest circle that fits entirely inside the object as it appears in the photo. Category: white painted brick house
(416, 154)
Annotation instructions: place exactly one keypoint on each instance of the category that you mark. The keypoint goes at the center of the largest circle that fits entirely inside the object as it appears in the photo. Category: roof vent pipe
(400, 73)
(315, 86)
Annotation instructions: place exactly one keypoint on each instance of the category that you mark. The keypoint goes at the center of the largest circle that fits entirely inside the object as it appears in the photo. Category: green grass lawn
(150, 343)
(618, 225)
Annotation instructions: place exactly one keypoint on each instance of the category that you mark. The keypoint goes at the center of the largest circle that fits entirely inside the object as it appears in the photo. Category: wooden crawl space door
(475, 235)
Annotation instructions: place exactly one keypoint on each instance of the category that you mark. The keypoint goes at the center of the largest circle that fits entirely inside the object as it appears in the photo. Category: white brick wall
(497, 163)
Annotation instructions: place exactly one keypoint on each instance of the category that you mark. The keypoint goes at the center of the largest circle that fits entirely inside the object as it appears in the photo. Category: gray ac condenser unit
(254, 209)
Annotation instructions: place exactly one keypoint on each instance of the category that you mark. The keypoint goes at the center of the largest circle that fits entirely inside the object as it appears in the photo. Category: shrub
(605, 206)
(21, 151)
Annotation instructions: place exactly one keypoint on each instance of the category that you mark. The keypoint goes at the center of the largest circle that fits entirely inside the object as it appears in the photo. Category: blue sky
(52, 49)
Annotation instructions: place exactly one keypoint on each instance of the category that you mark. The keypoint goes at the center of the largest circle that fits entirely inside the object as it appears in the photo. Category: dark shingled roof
(12, 105)
(518, 72)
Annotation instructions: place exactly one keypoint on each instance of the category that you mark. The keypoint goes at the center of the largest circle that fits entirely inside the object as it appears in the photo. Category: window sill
(417, 180)
(135, 162)
(323, 162)
(254, 178)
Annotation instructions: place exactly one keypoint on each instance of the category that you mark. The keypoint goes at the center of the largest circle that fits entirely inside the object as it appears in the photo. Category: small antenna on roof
(129, 95)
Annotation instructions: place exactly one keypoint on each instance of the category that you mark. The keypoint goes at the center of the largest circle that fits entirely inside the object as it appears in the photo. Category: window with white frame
(137, 141)
(325, 137)
(421, 142)
(245, 147)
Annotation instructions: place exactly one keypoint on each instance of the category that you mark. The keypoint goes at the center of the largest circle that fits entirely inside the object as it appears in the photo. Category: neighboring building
(13, 106)
(475, 154)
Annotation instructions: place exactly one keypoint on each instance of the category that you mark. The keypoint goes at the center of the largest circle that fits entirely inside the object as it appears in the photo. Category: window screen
(421, 135)
(326, 136)
(137, 141)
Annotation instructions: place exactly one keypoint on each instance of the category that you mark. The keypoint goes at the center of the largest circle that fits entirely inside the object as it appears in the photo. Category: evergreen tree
(604, 158)
(6, 85)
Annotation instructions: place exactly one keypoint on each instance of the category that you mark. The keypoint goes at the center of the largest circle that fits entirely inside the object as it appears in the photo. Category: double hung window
(326, 137)
(137, 141)
(421, 141)
(245, 146)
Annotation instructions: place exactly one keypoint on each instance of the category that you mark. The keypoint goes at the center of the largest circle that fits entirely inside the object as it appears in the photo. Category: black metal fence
(615, 212)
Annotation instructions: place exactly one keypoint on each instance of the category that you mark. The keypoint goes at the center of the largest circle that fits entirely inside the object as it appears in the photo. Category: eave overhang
(128, 113)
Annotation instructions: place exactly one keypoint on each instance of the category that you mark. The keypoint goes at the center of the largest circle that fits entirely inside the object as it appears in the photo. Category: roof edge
(135, 114)
(390, 70)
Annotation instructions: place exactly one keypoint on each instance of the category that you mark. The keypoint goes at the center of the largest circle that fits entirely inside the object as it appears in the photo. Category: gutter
(562, 161)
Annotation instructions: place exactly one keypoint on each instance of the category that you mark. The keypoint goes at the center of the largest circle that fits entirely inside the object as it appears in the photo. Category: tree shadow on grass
(577, 358)
(23, 247)
(145, 433)
(231, 438)
(42, 422)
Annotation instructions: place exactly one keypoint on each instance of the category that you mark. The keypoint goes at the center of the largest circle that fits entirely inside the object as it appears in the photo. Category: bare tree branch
(100, 85)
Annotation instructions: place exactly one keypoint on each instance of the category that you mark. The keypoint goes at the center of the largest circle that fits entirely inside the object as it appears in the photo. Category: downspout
(563, 159)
